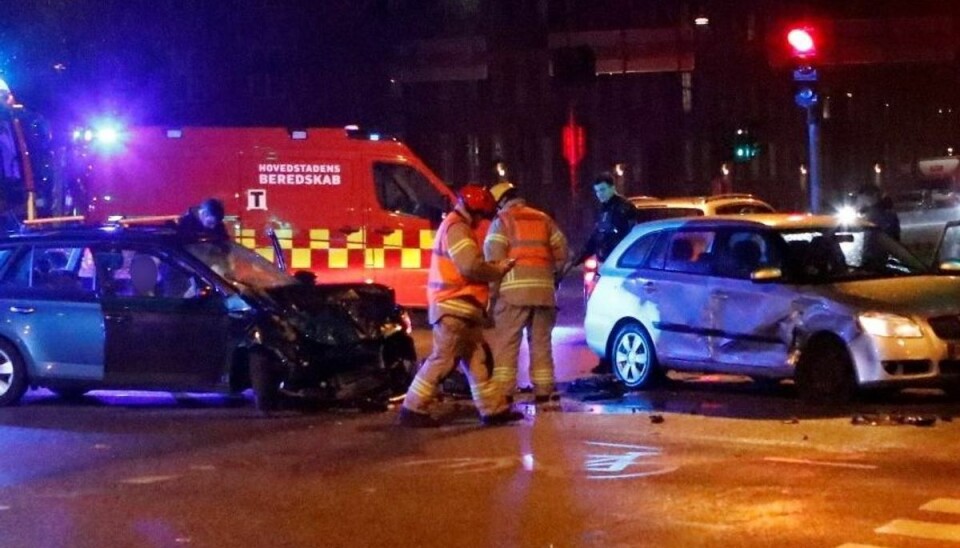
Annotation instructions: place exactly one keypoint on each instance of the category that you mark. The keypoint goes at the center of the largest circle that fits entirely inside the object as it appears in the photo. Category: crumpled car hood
(919, 295)
(368, 305)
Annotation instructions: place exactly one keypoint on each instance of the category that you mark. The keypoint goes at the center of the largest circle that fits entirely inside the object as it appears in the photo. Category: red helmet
(478, 200)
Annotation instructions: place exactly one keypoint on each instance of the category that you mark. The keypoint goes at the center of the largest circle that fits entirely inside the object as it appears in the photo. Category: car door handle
(650, 287)
(720, 296)
(117, 318)
(385, 230)
(349, 229)
(23, 309)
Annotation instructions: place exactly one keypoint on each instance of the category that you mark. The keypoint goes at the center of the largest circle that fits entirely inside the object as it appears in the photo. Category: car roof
(153, 234)
(695, 202)
(779, 221)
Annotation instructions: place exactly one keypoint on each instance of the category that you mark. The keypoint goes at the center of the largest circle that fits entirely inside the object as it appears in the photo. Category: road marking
(466, 465)
(921, 529)
(949, 506)
(609, 465)
(851, 465)
(203, 467)
(4, 507)
(146, 480)
(622, 445)
(855, 545)
(657, 472)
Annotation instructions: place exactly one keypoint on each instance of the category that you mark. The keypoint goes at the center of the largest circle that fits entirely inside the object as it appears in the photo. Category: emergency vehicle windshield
(239, 264)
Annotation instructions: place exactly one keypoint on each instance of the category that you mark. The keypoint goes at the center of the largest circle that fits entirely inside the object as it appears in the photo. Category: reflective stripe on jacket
(458, 282)
(532, 238)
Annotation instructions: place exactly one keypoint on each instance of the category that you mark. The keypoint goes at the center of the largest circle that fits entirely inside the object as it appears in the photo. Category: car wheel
(13, 375)
(265, 380)
(633, 357)
(825, 372)
(400, 361)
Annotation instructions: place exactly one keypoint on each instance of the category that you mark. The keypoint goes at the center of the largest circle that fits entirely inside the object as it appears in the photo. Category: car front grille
(946, 327)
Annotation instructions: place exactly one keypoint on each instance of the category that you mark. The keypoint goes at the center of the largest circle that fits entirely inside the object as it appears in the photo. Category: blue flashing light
(88, 135)
(108, 136)
(374, 136)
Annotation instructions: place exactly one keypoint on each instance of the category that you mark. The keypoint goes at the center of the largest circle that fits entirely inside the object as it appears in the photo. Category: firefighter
(525, 299)
(457, 294)
(616, 217)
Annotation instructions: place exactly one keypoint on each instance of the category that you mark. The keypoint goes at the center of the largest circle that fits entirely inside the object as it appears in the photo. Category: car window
(686, 251)
(132, 273)
(646, 214)
(744, 252)
(636, 255)
(236, 263)
(743, 209)
(51, 269)
(829, 254)
(402, 189)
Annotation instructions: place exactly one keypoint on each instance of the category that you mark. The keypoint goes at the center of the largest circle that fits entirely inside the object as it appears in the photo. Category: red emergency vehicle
(345, 204)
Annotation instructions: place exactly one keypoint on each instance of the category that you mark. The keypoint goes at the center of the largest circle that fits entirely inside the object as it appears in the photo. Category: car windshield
(832, 254)
(237, 263)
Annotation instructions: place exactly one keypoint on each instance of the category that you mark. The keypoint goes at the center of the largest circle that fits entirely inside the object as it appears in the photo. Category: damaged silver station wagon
(834, 307)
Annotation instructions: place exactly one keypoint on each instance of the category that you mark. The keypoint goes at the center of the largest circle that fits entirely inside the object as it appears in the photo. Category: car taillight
(590, 264)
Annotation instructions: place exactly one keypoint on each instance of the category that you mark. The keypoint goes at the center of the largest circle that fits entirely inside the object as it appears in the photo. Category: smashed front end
(339, 342)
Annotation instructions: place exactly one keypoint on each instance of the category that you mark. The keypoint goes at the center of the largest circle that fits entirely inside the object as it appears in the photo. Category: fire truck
(30, 184)
(346, 204)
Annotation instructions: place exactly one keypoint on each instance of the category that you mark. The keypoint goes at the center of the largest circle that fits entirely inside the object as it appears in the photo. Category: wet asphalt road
(705, 461)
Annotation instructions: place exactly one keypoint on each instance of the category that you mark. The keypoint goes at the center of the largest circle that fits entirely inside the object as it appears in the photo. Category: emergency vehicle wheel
(13, 375)
(825, 372)
(633, 357)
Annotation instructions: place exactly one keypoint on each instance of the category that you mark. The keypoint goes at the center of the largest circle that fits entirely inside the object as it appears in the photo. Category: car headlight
(879, 324)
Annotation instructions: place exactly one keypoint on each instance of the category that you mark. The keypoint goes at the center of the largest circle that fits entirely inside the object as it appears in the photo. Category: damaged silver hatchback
(835, 307)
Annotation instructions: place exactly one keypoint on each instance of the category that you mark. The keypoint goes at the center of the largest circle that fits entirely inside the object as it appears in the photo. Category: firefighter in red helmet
(457, 293)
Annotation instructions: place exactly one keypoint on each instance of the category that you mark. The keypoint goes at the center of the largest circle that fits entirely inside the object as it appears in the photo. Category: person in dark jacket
(206, 219)
(614, 221)
(875, 208)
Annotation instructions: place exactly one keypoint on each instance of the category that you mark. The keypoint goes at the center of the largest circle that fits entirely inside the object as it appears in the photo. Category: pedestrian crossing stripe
(947, 506)
(922, 529)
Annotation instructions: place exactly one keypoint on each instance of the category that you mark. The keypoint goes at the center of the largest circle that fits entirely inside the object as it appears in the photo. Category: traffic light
(802, 42)
(745, 147)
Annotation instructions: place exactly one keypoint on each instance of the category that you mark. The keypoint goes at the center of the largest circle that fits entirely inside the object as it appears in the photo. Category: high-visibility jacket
(459, 278)
(532, 238)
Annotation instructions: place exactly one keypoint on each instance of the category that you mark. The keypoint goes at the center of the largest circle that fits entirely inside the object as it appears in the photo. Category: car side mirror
(950, 267)
(766, 274)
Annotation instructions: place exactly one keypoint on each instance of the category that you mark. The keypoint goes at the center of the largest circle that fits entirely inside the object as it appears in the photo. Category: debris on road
(878, 419)
(656, 419)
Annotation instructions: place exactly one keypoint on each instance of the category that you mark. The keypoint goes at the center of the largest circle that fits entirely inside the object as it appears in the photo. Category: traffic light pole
(813, 137)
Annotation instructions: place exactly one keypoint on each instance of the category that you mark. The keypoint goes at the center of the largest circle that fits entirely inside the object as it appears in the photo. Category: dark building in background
(468, 83)
(472, 84)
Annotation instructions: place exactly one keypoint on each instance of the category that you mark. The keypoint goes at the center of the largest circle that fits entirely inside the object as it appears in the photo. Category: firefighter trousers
(456, 341)
(510, 321)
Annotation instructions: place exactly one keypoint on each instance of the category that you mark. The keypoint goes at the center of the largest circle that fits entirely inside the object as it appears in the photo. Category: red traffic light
(802, 42)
